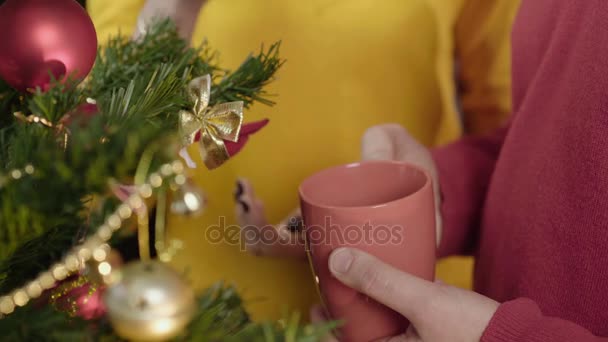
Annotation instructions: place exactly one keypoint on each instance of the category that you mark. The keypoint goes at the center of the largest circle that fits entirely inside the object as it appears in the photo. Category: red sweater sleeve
(465, 168)
(521, 320)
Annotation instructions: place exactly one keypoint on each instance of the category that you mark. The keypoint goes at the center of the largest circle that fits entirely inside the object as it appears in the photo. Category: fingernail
(295, 224)
(239, 191)
(244, 205)
(340, 261)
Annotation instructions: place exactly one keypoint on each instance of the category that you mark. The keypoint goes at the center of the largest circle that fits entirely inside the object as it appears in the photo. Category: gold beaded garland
(17, 174)
(34, 290)
(7, 305)
(92, 247)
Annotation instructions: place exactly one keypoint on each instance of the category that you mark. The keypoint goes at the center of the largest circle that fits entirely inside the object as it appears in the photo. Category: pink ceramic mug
(385, 208)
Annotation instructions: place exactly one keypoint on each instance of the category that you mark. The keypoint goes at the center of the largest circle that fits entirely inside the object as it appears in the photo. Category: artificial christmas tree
(85, 165)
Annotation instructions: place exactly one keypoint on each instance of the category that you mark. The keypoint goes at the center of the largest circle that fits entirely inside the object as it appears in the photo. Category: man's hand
(437, 312)
(393, 142)
(183, 12)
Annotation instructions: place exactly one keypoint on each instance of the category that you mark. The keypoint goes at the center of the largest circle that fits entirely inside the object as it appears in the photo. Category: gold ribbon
(215, 124)
(35, 119)
(59, 128)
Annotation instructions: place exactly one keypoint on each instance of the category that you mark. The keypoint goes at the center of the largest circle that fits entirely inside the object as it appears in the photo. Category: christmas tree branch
(139, 87)
(248, 81)
(123, 60)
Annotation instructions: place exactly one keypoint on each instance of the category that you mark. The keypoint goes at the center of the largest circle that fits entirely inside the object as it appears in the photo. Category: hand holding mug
(394, 187)
(437, 312)
(385, 208)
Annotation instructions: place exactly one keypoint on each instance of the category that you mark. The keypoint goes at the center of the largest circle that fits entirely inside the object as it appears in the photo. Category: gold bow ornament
(210, 126)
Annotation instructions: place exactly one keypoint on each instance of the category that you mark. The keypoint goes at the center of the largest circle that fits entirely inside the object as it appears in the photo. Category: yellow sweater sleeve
(483, 50)
(113, 16)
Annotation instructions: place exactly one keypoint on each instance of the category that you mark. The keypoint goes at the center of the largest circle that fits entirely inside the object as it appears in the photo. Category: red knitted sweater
(531, 202)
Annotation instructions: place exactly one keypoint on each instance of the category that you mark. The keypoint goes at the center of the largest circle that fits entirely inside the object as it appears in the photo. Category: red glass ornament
(85, 301)
(76, 296)
(43, 37)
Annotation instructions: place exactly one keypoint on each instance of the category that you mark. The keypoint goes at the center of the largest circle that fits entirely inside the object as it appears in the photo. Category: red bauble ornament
(42, 36)
(84, 301)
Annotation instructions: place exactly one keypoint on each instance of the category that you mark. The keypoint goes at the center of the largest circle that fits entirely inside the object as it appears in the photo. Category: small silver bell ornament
(188, 200)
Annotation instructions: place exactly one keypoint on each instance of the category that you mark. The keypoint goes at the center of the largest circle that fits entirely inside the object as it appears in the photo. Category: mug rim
(427, 180)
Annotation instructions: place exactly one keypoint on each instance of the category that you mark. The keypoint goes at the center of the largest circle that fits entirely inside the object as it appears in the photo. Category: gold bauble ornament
(149, 301)
(188, 200)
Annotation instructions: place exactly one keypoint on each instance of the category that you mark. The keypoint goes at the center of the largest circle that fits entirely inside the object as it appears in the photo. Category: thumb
(377, 144)
(398, 290)
(392, 142)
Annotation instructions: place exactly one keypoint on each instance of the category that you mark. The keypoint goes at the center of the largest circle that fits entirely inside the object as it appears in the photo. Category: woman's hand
(183, 12)
(261, 238)
(437, 312)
